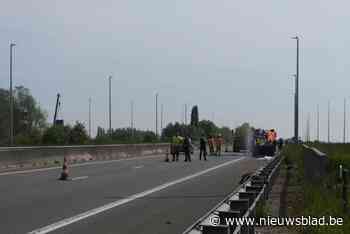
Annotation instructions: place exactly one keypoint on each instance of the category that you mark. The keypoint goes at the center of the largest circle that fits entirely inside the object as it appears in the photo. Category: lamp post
(318, 123)
(296, 111)
(90, 117)
(157, 115)
(161, 118)
(329, 122)
(11, 96)
(295, 102)
(110, 105)
(344, 127)
(132, 117)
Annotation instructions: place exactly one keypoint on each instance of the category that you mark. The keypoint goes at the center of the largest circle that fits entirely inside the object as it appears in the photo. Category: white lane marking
(80, 178)
(78, 165)
(138, 167)
(68, 221)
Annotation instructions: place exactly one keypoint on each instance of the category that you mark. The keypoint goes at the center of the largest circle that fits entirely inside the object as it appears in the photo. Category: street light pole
(90, 117)
(132, 118)
(344, 130)
(296, 111)
(157, 115)
(329, 127)
(185, 114)
(295, 102)
(318, 123)
(110, 105)
(11, 97)
(161, 119)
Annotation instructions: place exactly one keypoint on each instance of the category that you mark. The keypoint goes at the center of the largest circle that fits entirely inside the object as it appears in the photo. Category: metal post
(182, 115)
(296, 111)
(11, 98)
(110, 105)
(156, 131)
(329, 128)
(308, 128)
(318, 123)
(295, 101)
(132, 118)
(90, 117)
(161, 119)
(186, 114)
(344, 130)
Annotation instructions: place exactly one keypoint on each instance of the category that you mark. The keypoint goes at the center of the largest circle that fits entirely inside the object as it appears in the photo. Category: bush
(61, 135)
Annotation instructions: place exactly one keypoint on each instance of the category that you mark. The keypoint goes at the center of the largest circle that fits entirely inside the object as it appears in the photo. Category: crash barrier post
(240, 203)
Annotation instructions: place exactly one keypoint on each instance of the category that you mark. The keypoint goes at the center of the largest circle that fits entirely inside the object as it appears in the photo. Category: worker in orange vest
(219, 141)
(272, 138)
(211, 145)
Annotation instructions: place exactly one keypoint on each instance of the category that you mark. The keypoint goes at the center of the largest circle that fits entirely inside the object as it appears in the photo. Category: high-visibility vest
(174, 140)
(274, 136)
(270, 136)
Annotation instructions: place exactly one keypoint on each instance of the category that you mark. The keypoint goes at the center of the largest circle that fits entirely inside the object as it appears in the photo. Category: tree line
(31, 127)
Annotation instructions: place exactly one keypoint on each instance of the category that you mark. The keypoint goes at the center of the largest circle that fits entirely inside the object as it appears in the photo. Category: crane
(58, 104)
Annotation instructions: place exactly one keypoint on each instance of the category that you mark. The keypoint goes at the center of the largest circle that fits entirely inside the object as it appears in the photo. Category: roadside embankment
(310, 186)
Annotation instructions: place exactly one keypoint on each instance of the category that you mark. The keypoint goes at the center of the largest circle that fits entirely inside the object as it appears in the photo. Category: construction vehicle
(56, 121)
(261, 146)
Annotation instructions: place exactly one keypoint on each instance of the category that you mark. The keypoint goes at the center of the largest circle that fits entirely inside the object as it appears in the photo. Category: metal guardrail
(240, 203)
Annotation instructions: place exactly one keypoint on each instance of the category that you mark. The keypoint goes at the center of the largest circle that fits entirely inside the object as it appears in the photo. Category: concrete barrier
(315, 163)
(23, 157)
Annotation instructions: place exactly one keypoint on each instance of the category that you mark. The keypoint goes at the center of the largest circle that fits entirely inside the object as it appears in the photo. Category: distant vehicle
(261, 147)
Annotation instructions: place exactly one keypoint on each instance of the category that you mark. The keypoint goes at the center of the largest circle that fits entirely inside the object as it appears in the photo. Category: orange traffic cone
(64, 174)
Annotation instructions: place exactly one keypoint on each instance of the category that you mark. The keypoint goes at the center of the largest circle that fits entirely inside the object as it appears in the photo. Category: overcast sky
(234, 59)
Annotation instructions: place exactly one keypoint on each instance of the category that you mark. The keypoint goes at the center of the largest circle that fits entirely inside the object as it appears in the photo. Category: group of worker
(271, 136)
(184, 144)
(215, 143)
(181, 144)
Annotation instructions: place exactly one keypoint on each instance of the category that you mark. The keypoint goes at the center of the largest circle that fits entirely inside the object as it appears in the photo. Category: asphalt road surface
(144, 195)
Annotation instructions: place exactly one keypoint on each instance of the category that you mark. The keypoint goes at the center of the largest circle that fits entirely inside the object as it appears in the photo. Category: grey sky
(234, 58)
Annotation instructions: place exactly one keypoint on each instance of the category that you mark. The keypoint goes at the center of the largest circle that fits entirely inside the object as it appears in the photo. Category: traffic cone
(167, 155)
(64, 174)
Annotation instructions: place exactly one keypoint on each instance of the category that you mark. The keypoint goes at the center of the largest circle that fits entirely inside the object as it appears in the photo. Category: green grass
(338, 153)
(322, 198)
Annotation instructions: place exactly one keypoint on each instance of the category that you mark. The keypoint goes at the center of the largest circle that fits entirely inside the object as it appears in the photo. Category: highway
(142, 195)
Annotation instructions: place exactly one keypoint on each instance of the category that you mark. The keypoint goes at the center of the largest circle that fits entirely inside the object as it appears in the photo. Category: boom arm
(56, 108)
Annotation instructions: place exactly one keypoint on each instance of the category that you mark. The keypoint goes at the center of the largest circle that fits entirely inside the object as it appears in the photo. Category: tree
(78, 134)
(149, 137)
(194, 116)
(56, 135)
(226, 133)
(29, 118)
(100, 132)
(208, 127)
(4, 117)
